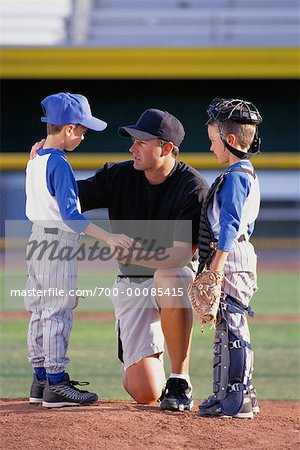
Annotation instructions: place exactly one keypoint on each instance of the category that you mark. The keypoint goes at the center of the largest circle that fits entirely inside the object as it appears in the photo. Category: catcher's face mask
(239, 111)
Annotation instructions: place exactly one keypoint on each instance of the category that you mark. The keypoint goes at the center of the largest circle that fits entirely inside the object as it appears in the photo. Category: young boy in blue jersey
(231, 208)
(52, 205)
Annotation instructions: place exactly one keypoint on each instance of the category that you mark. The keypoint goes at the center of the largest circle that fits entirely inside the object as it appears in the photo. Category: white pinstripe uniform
(52, 201)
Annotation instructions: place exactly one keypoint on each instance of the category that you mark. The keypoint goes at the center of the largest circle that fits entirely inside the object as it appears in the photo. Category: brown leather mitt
(205, 295)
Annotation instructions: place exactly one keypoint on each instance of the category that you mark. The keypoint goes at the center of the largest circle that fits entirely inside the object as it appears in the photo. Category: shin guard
(232, 361)
(221, 361)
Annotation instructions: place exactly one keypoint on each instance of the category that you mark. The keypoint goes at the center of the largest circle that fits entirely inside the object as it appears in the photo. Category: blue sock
(55, 378)
(40, 373)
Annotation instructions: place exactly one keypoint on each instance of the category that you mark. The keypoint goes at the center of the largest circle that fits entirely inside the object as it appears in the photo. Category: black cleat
(66, 394)
(37, 390)
(177, 396)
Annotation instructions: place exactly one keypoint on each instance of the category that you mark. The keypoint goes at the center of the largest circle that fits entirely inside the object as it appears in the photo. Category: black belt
(242, 238)
(51, 230)
(135, 278)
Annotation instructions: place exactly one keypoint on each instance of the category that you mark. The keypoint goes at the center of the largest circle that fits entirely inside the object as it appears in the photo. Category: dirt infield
(115, 425)
(109, 316)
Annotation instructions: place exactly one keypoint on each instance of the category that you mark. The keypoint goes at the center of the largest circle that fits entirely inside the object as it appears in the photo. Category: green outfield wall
(120, 102)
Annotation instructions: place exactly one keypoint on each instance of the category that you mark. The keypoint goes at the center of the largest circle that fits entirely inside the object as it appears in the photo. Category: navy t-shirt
(129, 196)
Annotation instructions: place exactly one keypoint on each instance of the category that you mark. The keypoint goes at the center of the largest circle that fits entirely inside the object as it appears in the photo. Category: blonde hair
(54, 129)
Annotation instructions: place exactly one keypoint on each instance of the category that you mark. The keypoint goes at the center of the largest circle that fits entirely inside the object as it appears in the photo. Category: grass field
(278, 292)
(93, 348)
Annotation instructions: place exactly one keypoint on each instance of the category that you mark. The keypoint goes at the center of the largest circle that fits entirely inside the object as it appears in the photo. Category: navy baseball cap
(155, 124)
(65, 108)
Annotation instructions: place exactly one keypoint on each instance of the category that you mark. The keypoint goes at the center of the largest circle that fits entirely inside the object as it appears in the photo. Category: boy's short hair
(244, 132)
(54, 129)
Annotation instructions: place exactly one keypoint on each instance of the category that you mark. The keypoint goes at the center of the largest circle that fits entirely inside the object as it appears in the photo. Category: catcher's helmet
(240, 111)
(234, 109)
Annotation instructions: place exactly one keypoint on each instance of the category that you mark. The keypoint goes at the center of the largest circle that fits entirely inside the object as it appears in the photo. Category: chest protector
(207, 242)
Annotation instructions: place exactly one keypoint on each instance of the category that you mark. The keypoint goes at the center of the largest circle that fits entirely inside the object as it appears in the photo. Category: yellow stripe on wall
(149, 63)
(280, 161)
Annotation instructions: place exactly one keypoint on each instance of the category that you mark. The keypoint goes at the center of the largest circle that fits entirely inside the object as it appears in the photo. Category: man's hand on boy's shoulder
(36, 147)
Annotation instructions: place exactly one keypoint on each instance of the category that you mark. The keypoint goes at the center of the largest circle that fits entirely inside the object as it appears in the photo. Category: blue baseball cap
(65, 108)
(155, 124)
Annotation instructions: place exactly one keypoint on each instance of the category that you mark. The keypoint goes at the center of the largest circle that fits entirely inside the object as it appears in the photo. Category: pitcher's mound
(121, 425)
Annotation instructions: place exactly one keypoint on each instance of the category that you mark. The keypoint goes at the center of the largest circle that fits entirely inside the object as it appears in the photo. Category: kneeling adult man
(154, 188)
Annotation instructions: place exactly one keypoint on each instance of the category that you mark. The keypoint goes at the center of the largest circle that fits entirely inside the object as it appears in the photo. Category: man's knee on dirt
(145, 380)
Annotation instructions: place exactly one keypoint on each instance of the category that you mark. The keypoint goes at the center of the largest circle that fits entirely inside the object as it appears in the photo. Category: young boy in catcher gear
(53, 207)
(227, 258)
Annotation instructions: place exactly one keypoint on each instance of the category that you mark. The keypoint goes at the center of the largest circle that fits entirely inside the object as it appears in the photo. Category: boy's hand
(122, 246)
(37, 146)
(120, 240)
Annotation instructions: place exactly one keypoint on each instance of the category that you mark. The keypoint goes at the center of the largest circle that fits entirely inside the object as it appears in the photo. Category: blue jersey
(52, 193)
(235, 206)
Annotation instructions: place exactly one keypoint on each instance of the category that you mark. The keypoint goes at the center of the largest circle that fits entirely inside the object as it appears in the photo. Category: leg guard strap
(231, 305)
(239, 343)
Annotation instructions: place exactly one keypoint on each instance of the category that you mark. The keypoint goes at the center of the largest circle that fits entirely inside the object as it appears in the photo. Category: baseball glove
(205, 295)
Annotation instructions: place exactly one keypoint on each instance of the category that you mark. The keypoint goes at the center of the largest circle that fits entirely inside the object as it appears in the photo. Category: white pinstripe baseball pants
(51, 313)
